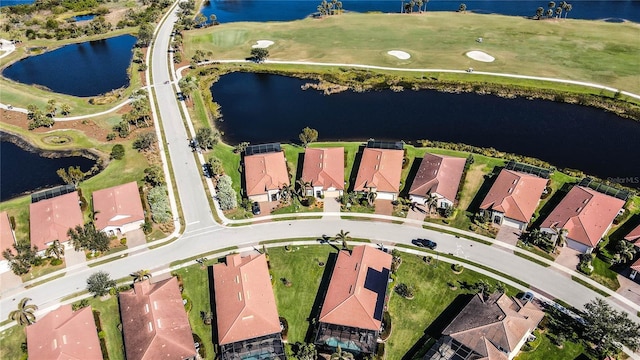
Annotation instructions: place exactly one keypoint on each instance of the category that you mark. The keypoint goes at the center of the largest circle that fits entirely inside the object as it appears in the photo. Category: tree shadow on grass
(411, 176)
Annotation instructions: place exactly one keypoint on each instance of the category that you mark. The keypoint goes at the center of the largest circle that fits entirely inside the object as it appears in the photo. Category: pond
(24, 171)
(263, 108)
(86, 69)
(84, 17)
(285, 10)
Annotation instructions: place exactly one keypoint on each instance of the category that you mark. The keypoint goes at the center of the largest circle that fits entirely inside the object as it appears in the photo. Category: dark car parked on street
(424, 243)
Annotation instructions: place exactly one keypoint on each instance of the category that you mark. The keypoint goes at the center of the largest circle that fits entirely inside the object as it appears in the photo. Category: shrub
(404, 290)
(80, 304)
(159, 204)
(123, 241)
(55, 262)
(226, 194)
(111, 136)
(117, 152)
(457, 268)
(12, 221)
(187, 303)
(145, 141)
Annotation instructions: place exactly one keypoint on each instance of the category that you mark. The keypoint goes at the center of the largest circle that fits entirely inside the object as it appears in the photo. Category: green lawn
(10, 343)
(110, 320)
(567, 48)
(604, 275)
(546, 350)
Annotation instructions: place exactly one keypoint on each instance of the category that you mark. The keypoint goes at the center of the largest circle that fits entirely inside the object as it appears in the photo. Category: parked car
(206, 170)
(426, 243)
(255, 208)
(526, 297)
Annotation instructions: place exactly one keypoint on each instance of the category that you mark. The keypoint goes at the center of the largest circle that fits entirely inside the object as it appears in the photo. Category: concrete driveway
(331, 205)
(136, 238)
(508, 235)
(417, 214)
(568, 258)
(73, 257)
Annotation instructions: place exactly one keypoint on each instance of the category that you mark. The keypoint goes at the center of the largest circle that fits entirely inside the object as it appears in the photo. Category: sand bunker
(399, 54)
(262, 44)
(480, 56)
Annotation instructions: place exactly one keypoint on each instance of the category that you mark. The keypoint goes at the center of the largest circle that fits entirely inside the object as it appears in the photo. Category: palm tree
(371, 197)
(539, 12)
(141, 275)
(549, 13)
(342, 236)
(340, 355)
(212, 19)
(562, 238)
(65, 109)
(552, 4)
(55, 249)
(558, 12)
(286, 192)
(625, 250)
(302, 187)
(462, 8)
(431, 202)
(25, 314)
(482, 287)
(567, 8)
(51, 107)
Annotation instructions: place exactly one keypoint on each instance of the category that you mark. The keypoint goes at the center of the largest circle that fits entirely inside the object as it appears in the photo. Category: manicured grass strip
(534, 260)
(192, 258)
(483, 267)
(589, 286)
(102, 262)
(468, 237)
(535, 250)
(297, 218)
(57, 276)
(603, 275)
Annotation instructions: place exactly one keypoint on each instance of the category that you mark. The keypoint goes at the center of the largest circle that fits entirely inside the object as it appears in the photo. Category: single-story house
(380, 171)
(513, 198)
(7, 236)
(354, 303)
(51, 219)
(265, 174)
(634, 236)
(438, 176)
(635, 269)
(585, 215)
(155, 323)
(494, 329)
(118, 209)
(64, 334)
(324, 170)
(247, 319)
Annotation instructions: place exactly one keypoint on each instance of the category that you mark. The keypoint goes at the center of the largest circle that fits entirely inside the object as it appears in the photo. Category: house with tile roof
(585, 215)
(635, 269)
(513, 198)
(118, 209)
(634, 236)
(438, 176)
(64, 334)
(264, 175)
(155, 323)
(7, 236)
(494, 328)
(247, 319)
(351, 315)
(380, 172)
(51, 219)
(323, 168)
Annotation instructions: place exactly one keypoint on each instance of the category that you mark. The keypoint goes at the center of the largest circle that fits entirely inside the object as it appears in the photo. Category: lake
(263, 108)
(85, 69)
(22, 171)
(285, 10)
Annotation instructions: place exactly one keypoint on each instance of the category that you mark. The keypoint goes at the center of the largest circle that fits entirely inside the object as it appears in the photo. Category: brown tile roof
(499, 322)
(636, 265)
(324, 167)
(634, 236)
(515, 194)
(118, 205)
(154, 322)
(245, 304)
(585, 214)
(64, 335)
(264, 172)
(7, 239)
(381, 169)
(352, 299)
(438, 174)
(50, 219)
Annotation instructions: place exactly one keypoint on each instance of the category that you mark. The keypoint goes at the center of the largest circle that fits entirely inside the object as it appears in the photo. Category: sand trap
(262, 44)
(480, 56)
(399, 54)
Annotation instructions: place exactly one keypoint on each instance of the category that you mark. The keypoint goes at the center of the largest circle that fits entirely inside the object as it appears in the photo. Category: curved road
(202, 234)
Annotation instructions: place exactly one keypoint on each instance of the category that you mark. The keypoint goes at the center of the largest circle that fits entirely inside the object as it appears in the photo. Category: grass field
(567, 48)
(10, 343)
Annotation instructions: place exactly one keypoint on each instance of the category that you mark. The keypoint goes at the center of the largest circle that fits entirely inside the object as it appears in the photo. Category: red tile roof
(585, 214)
(634, 236)
(324, 167)
(263, 172)
(498, 322)
(64, 335)
(636, 265)
(245, 304)
(380, 169)
(117, 206)
(438, 174)
(50, 219)
(155, 323)
(7, 238)
(349, 301)
(515, 194)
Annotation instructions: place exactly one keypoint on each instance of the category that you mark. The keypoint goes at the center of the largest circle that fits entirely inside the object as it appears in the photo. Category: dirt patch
(473, 181)
(116, 15)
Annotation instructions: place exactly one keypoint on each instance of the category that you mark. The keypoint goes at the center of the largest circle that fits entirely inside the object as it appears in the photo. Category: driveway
(507, 235)
(331, 205)
(629, 288)
(417, 213)
(136, 238)
(568, 258)
(11, 283)
(383, 207)
(73, 258)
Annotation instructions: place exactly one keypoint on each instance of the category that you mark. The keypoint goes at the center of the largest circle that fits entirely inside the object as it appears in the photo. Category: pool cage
(355, 340)
(263, 347)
